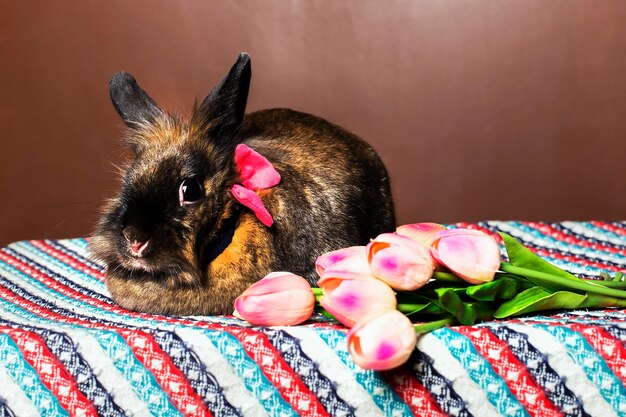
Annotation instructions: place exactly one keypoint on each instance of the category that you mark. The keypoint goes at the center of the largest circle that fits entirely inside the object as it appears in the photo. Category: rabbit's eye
(190, 191)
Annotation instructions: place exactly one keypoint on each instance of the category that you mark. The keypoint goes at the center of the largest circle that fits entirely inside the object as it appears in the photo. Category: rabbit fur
(195, 258)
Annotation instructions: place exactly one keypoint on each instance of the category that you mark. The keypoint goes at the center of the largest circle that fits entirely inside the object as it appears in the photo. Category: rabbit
(177, 241)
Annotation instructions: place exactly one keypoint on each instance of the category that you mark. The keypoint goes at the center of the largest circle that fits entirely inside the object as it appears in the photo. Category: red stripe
(606, 345)
(413, 393)
(67, 259)
(610, 227)
(169, 377)
(575, 260)
(66, 290)
(51, 372)
(517, 377)
(280, 374)
(549, 230)
(257, 346)
(548, 254)
(472, 226)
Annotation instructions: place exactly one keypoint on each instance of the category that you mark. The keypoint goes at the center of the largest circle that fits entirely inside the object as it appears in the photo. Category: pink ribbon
(256, 173)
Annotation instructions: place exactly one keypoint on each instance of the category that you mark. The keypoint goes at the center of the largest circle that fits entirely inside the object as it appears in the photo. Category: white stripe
(572, 375)
(450, 368)
(100, 288)
(112, 380)
(15, 398)
(60, 300)
(552, 243)
(233, 388)
(581, 229)
(347, 387)
(66, 272)
(80, 250)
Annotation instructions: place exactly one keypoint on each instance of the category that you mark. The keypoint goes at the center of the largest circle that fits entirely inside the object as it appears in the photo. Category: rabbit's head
(174, 213)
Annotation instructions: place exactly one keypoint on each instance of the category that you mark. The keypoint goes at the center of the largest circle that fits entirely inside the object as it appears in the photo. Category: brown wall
(481, 109)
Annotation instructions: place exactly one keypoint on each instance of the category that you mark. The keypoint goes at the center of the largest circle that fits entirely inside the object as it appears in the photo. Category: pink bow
(257, 173)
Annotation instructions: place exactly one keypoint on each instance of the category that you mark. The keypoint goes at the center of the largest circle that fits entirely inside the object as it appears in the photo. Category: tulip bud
(350, 297)
(470, 254)
(279, 299)
(399, 261)
(381, 343)
(423, 233)
(352, 259)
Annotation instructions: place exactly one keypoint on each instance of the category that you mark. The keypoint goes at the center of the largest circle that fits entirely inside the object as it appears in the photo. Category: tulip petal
(423, 233)
(383, 342)
(402, 269)
(470, 254)
(281, 298)
(351, 259)
(349, 300)
(399, 261)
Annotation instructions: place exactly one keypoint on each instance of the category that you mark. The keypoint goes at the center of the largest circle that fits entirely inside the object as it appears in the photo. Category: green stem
(447, 277)
(408, 308)
(318, 293)
(433, 325)
(575, 283)
(609, 284)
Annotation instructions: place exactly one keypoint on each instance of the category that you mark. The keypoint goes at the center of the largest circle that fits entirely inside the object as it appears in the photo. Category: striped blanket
(67, 349)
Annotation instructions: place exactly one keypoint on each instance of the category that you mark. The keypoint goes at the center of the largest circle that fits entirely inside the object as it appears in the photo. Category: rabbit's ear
(131, 102)
(221, 112)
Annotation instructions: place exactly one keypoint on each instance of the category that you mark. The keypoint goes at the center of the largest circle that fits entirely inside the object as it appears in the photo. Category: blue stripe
(482, 373)
(95, 314)
(65, 351)
(27, 378)
(250, 373)
(61, 246)
(569, 232)
(608, 233)
(439, 387)
(537, 365)
(309, 372)
(143, 382)
(201, 380)
(44, 302)
(592, 363)
(62, 278)
(577, 250)
(72, 271)
(383, 395)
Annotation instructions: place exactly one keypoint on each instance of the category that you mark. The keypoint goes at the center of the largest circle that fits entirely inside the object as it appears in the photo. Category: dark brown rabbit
(176, 241)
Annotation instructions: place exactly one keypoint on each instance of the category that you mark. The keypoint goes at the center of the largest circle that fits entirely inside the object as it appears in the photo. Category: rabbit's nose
(138, 247)
(136, 243)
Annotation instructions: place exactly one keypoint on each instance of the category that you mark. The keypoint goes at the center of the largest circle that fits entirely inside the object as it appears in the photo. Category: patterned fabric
(67, 349)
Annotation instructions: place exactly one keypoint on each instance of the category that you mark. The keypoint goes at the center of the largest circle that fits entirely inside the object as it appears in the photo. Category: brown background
(481, 109)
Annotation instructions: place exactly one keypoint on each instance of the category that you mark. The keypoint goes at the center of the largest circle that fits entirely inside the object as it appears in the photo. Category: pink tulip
(384, 342)
(352, 260)
(423, 233)
(350, 297)
(470, 254)
(400, 261)
(279, 299)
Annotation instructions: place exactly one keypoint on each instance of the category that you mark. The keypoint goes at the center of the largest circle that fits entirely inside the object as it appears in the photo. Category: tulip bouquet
(418, 279)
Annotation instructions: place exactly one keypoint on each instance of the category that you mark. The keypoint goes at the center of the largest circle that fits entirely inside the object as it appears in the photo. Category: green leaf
(537, 299)
(450, 301)
(521, 256)
(412, 303)
(602, 301)
(502, 287)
